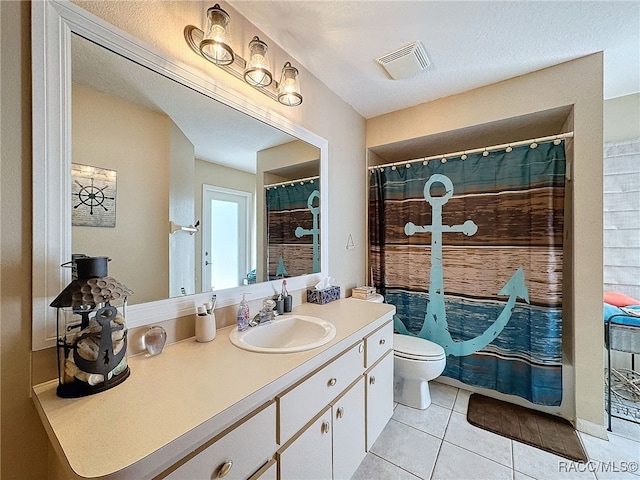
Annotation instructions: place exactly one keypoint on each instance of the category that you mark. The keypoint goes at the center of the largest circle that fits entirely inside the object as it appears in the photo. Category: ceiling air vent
(405, 61)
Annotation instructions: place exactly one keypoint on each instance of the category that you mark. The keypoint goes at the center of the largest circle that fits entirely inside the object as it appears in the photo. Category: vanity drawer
(301, 403)
(229, 452)
(378, 343)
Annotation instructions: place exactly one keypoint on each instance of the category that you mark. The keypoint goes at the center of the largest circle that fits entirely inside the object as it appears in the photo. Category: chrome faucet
(266, 315)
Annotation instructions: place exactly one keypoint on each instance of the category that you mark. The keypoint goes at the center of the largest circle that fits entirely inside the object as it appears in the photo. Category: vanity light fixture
(213, 45)
(289, 88)
(257, 73)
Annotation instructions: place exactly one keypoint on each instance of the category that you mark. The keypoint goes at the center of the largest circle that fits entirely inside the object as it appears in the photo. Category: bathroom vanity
(209, 410)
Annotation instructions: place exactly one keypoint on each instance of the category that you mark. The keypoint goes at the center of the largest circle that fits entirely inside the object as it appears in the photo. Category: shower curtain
(470, 253)
(293, 233)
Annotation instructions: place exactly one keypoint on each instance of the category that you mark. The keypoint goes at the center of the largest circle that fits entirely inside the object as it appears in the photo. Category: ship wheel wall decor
(93, 196)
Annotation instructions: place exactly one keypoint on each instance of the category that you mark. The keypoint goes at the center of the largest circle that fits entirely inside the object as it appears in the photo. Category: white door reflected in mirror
(226, 240)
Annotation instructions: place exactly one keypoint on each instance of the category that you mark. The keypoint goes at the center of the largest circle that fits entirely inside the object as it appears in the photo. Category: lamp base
(77, 388)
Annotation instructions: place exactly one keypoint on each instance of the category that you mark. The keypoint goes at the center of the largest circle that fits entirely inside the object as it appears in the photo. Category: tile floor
(438, 443)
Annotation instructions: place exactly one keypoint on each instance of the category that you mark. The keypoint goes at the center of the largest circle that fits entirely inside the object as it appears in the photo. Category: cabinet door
(232, 456)
(348, 432)
(379, 397)
(303, 402)
(309, 455)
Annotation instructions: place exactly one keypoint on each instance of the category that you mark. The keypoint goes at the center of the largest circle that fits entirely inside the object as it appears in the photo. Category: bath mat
(546, 432)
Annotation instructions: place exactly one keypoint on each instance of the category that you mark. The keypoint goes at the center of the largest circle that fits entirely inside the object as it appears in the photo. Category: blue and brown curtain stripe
(516, 200)
(290, 228)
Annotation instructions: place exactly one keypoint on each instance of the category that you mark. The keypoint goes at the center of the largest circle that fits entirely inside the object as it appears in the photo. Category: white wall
(621, 195)
(622, 217)
(182, 245)
(622, 118)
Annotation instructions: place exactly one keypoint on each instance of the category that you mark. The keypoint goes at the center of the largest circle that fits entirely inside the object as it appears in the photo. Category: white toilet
(416, 361)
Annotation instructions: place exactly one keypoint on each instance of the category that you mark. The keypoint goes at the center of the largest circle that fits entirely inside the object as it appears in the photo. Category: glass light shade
(215, 44)
(257, 72)
(289, 88)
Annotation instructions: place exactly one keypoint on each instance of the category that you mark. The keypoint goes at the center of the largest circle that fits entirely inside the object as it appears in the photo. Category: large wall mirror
(187, 187)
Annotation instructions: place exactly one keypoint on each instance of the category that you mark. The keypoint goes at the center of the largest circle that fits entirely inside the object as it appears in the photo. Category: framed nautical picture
(93, 196)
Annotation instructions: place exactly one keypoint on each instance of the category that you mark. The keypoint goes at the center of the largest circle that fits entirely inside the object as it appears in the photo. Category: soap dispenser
(243, 314)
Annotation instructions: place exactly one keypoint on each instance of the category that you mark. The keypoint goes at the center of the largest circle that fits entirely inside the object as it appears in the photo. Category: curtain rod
(443, 157)
(291, 182)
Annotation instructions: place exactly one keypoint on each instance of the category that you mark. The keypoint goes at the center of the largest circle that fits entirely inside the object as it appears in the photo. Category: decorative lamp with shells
(91, 330)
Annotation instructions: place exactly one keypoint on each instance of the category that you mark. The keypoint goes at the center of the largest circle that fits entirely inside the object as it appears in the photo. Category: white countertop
(173, 401)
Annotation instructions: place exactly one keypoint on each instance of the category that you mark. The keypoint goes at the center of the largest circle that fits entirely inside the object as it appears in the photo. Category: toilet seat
(415, 348)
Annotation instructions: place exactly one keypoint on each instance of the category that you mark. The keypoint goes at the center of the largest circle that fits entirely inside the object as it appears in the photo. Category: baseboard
(593, 429)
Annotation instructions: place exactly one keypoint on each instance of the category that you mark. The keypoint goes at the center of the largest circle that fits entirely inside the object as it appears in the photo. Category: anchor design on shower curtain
(315, 231)
(435, 326)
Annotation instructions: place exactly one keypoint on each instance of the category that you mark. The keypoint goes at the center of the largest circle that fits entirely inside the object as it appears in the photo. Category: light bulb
(256, 72)
(216, 33)
(289, 88)
(215, 45)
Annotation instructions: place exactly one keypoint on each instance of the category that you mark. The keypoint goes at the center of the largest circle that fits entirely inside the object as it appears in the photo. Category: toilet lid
(409, 346)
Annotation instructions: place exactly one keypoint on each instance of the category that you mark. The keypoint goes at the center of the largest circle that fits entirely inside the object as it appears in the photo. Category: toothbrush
(211, 305)
(213, 301)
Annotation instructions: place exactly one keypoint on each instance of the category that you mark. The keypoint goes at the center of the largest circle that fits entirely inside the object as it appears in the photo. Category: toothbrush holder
(205, 327)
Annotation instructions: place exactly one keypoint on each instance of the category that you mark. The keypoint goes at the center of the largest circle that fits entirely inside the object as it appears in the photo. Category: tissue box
(323, 296)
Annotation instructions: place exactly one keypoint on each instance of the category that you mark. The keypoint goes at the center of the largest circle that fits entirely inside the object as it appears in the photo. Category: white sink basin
(286, 334)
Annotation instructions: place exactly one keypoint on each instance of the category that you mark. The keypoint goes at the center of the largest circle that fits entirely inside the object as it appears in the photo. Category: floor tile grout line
(417, 429)
(433, 469)
(424, 431)
(478, 454)
(513, 460)
(398, 466)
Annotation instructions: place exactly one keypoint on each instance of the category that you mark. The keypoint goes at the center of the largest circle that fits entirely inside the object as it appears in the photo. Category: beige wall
(24, 443)
(134, 141)
(622, 118)
(577, 83)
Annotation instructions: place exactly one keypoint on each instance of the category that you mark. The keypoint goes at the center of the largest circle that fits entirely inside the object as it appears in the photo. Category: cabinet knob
(325, 427)
(340, 412)
(372, 379)
(332, 382)
(361, 348)
(225, 468)
(382, 341)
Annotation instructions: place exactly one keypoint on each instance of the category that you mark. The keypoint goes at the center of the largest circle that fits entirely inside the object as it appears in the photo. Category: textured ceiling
(470, 44)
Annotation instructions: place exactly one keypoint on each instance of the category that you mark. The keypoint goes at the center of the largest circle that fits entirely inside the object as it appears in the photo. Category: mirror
(148, 151)
(214, 143)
